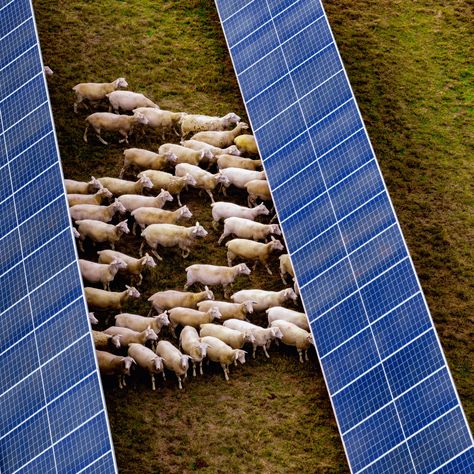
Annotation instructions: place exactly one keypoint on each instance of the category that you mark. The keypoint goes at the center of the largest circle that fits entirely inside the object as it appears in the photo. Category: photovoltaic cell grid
(52, 416)
(394, 399)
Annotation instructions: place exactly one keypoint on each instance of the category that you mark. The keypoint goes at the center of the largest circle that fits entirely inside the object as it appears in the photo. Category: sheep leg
(164, 376)
(200, 368)
(224, 368)
(282, 277)
(141, 248)
(180, 385)
(85, 131)
(173, 331)
(124, 134)
(300, 354)
(306, 355)
(134, 229)
(222, 237)
(210, 195)
(254, 265)
(185, 253)
(97, 132)
(265, 350)
(155, 253)
(194, 369)
(153, 382)
(254, 350)
(178, 196)
(226, 290)
(215, 225)
(120, 381)
(80, 244)
(230, 257)
(268, 268)
(122, 171)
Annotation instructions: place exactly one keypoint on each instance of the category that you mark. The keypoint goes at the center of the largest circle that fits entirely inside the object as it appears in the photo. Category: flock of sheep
(216, 142)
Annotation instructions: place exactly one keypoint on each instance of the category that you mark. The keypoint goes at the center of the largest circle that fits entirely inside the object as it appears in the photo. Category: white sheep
(92, 318)
(161, 120)
(232, 161)
(104, 341)
(48, 71)
(163, 300)
(129, 336)
(121, 186)
(173, 359)
(128, 101)
(191, 317)
(228, 310)
(224, 209)
(170, 235)
(147, 360)
(221, 139)
(145, 216)
(197, 145)
(102, 299)
(97, 198)
(294, 336)
(96, 212)
(295, 317)
(263, 336)
(146, 159)
(96, 91)
(99, 272)
(110, 364)
(247, 229)
(109, 122)
(133, 266)
(286, 267)
(140, 323)
(172, 184)
(185, 155)
(220, 352)
(214, 275)
(134, 201)
(231, 337)
(200, 123)
(246, 144)
(204, 180)
(99, 231)
(251, 250)
(240, 177)
(81, 187)
(258, 189)
(264, 299)
(191, 344)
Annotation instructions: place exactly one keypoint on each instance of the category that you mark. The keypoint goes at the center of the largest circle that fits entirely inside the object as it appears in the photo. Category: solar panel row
(392, 392)
(52, 416)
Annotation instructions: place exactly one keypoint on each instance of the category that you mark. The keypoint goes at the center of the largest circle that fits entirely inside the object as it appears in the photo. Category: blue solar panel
(393, 396)
(52, 412)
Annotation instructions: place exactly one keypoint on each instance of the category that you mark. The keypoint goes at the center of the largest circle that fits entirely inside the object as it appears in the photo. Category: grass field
(409, 67)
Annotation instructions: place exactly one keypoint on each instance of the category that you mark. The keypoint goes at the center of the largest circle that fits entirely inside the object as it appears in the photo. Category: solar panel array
(393, 395)
(52, 412)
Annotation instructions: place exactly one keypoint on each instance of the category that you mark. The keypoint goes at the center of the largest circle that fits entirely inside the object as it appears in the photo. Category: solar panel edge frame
(397, 224)
(86, 309)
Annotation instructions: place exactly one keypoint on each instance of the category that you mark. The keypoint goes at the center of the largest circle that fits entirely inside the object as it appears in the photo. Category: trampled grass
(409, 67)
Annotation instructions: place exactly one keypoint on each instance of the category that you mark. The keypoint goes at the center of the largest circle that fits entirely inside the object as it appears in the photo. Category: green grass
(409, 64)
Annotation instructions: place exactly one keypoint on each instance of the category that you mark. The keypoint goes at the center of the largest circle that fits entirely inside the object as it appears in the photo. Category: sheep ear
(127, 287)
(273, 238)
(206, 288)
(148, 327)
(197, 224)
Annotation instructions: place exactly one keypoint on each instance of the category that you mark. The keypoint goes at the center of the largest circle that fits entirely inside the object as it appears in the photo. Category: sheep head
(242, 269)
(120, 82)
(215, 313)
(209, 293)
(123, 227)
(132, 292)
(148, 261)
(164, 195)
(184, 212)
(199, 231)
